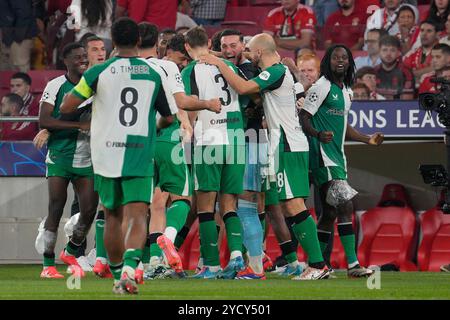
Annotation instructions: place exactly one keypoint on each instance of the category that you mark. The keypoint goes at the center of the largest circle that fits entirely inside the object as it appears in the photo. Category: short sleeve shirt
(284, 26)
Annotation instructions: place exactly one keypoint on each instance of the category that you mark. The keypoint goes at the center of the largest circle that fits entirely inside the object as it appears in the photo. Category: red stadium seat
(5, 76)
(255, 14)
(286, 53)
(423, 11)
(41, 78)
(211, 30)
(190, 250)
(388, 231)
(247, 28)
(434, 248)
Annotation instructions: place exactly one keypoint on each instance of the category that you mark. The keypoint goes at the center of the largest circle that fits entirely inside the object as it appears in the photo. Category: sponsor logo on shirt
(335, 96)
(220, 121)
(336, 112)
(118, 144)
(264, 75)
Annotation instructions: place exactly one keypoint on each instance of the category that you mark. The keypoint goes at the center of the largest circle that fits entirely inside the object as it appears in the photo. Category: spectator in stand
(93, 16)
(20, 84)
(323, 9)
(373, 49)
(162, 13)
(408, 27)
(394, 80)
(18, 28)
(346, 26)
(419, 61)
(368, 76)
(208, 12)
(163, 39)
(440, 59)
(183, 20)
(11, 105)
(385, 18)
(360, 92)
(439, 11)
(292, 25)
(446, 38)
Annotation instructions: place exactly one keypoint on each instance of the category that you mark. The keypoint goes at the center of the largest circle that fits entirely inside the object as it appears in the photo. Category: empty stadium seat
(255, 14)
(434, 248)
(423, 11)
(247, 28)
(40, 78)
(388, 232)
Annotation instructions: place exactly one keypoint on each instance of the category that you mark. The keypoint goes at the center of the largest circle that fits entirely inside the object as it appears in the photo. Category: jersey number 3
(127, 122)
(224, 88)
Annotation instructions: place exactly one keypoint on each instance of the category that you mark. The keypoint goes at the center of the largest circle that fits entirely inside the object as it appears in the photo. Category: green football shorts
(219, 168)
(71, 173)
(292, 175)
(171, 171)
(116, 192)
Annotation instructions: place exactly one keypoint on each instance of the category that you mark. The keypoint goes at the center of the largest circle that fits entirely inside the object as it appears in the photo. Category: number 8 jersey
(127, 92)
(206, 82)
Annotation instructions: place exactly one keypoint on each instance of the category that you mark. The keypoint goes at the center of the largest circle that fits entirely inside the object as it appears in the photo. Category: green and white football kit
(69, 154)
(329, 106)
(128, 92)
(288, 146)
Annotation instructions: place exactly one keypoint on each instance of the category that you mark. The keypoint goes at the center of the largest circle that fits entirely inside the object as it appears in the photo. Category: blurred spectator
(292, 25)
(346, 26)
(183, 20)
(11, 104)
(368, 76)
(215, 41)
(408, 27)
(440, 59)
(182, 30)
(360, 92)
(20, 84)
(446, 39)
(18, 28)
(323, 9)
(385, 18)
(163, 39)
(419, 61)
(373, 49)
(57, 5)
(208, 12)
(92, 16)
(439, 10)
(162, 13)
(394, 80)
(176, 52)
(38, 60)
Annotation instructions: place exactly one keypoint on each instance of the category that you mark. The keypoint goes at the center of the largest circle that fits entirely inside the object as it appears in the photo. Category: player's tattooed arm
(323, 136)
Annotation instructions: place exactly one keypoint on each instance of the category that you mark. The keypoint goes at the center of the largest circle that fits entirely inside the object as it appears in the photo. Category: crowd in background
(398, 49)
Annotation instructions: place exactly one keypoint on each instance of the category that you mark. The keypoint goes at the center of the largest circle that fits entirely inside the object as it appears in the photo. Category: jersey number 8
(128, 106)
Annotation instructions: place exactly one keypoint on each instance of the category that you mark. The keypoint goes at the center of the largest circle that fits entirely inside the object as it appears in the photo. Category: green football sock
(146, 251)
(324, 238)
(305, 230)
(116, 270)
(177, 213)
(288, 251)
(131, 258)
(181, 236)
(233, 228)
(208, 239)
(155, 250)
(99, 232)
(347, 237)
(49, 260)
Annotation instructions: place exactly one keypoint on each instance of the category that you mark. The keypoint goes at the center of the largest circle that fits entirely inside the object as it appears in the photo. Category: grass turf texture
(23, 282)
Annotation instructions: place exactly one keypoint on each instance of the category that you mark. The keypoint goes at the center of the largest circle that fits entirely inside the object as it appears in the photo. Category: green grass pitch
(23, 282)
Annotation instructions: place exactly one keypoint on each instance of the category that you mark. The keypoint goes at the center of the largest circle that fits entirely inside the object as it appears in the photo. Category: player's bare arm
(46, 121)
(375, 139)
(241, 86)
(323, 136)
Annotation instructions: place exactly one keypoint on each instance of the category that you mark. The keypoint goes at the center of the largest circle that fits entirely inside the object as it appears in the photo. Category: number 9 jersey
(127, 93)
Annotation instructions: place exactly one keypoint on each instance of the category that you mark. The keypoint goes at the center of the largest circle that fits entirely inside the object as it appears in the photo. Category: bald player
(289, 148)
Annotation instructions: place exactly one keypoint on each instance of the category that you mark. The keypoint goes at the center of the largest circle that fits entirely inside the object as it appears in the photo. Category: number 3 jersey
(68, 147)
(127, 93)
(206, 82)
